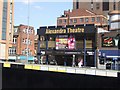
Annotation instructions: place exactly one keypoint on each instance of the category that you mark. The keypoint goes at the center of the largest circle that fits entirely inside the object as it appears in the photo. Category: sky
(39, 13)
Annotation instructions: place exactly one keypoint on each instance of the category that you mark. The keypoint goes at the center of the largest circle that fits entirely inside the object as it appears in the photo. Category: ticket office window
(42, 42)
(79, 41)
(89, 42)
(79, 44)
(51, 42)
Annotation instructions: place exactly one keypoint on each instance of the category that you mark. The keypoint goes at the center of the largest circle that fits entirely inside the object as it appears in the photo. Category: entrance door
(90, 60)
(64, 60)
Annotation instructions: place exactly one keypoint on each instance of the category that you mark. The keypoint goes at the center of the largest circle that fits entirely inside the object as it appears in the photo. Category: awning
(110, 53)
(101, 30)
(13, 57)
(25, 57)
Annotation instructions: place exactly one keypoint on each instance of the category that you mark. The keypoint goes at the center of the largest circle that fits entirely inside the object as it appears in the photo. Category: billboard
(65, 43)
(61, 43)
(71, 43)
(110, 42)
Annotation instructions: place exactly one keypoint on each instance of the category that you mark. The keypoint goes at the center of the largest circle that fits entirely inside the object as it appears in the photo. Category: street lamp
(28, 32)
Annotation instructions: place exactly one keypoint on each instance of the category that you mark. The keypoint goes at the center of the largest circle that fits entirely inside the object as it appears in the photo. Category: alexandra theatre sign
(64, 31)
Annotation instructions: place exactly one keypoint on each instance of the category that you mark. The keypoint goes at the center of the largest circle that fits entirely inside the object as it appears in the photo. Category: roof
(114, 12)
(80, 12)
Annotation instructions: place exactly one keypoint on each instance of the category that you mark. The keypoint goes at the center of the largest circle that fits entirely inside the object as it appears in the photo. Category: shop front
(109, 53)
(66, 45)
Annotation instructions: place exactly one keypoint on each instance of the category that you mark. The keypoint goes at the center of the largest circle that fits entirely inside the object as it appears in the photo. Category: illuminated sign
(65, 43)
(108, 42)
(64, 31)
(57, 31)
(77, 30)
(71, 43)
(61, 43)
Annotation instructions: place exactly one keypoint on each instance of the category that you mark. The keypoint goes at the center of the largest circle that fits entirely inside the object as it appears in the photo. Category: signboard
(53, 30)
(71, 43)
(67, 43)
(64, 31)
(108, 42)
(61, 43)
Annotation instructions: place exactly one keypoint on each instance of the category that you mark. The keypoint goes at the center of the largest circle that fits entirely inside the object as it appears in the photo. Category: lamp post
(73, 62)
(28, 33)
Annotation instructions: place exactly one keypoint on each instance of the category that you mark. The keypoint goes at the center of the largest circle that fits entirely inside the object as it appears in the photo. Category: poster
(110, 42)
(65, 43)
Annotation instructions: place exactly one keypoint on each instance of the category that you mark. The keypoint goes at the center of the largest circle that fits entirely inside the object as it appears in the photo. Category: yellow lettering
(69, 30)
(83, 30)
(64, 30)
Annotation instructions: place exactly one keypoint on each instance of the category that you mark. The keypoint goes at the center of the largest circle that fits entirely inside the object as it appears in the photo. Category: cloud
(28, 1)
(38, 7)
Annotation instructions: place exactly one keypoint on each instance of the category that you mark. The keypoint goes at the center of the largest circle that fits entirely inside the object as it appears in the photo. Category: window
(71, 20)
(29, 41)
(30, 31)
(12, 51)
(114, 6)
(60, 21)
(86, 19)
(10, 18)
(14, 40)
(115, 25)
(75, 21)
(77, 4)
(98, 19)
(4, 20)
(11, 27)
(15, 30)
(93, 19)
(64, 20)
(97, 6)
(106, 5)
(10, 35)
(91, 4)
(81, 20)
(11, 6)
(23, 40)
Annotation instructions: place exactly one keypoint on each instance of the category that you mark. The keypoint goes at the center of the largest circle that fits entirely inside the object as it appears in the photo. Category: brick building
(109, 44)
(81, 16)
(19, 48)
(6, 27)
(98, 6)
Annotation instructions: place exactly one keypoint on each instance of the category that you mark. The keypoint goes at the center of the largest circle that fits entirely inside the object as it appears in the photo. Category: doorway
(64, 60)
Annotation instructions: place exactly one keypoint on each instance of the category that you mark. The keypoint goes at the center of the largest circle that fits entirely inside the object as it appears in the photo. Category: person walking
(80, 62)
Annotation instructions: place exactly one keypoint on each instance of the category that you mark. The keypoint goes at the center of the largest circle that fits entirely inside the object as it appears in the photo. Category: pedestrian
(65, 62)
(80, 62)
(36, 61)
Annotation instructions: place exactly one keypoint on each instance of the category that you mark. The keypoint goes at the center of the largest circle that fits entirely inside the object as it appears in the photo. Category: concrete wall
(0, 76)
(21, 78)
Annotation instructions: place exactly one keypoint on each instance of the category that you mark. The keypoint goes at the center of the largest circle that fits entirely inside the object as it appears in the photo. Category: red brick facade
(81, 16)
(21, 43)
